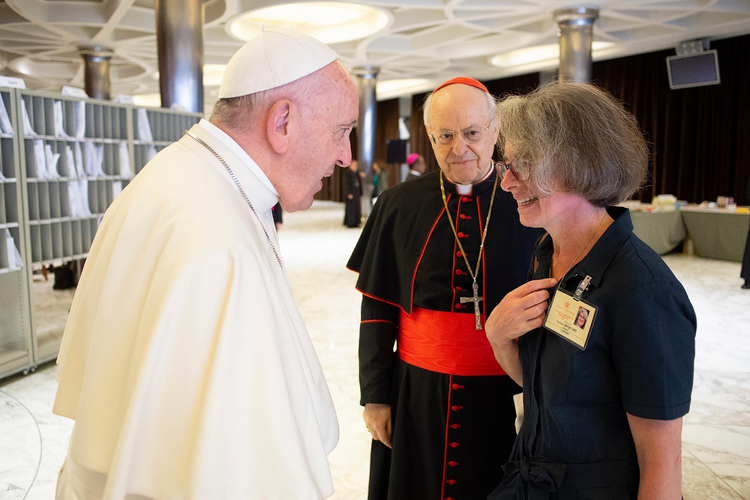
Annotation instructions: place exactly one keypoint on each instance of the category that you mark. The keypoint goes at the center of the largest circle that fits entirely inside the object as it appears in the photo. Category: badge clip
(582, 286)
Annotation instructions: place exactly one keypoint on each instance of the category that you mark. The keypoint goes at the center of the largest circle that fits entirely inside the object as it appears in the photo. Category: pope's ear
(278, 126)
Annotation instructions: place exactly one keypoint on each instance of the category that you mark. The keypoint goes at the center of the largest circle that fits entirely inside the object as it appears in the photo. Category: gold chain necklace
(473, 273)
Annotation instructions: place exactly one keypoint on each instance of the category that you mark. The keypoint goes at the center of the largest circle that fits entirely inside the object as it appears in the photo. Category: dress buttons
(457, 386)
(461, 235)
(463, 216)
(458, 272)
(451, 481)
(459, 306)
(455, 426)
(459, 254)
(456, 407)
(465, 198)
(452, 463)
(453, 444)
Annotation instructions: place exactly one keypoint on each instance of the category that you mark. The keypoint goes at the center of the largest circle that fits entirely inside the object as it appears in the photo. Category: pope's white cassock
(185, 363)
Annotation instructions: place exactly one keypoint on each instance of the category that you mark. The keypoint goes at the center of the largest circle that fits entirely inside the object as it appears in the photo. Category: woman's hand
(521, 311)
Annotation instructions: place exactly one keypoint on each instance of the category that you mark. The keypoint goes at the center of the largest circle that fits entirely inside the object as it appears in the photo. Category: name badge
(571, 317)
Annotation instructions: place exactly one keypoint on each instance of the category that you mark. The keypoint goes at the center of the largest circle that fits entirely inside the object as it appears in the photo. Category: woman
(603, 404)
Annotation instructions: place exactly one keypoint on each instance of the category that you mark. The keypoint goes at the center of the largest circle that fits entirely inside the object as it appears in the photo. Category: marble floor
(315, 245)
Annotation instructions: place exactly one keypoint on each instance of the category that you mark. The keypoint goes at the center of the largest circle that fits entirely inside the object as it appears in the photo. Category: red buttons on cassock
(451, 481)
(459, 306)
(461, 235)
(459, 254)
(455, 426)
(457, 386)
(453, 444)
(465, 198)
(452, 463)
(463, 216)
(454, 408)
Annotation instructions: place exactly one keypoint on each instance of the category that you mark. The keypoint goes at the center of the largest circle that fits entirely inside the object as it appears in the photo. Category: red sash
(446, 342)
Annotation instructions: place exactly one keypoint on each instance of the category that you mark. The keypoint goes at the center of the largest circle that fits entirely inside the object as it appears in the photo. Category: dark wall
(699, 137)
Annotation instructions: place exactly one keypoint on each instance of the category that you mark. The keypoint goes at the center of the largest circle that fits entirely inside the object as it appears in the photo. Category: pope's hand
(378, 421)
(521, 311)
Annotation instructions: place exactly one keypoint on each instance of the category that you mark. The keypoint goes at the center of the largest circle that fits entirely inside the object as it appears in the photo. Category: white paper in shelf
(74, 198)
(28, 131)
(52, 159)
(150, 152)
(59, 124)
(125, 170)
(83, 189)
(80, 170)
(71, 162)
(94, 158)
(80, 118)
(14, 256)
(116, 189)
(144, 128)
(5, 126)
(40, 159)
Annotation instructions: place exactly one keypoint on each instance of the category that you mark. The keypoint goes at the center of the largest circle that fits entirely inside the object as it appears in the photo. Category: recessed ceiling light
(397, 87)
(536, 54)
(149, 100)
(329, 22)
(212, 74)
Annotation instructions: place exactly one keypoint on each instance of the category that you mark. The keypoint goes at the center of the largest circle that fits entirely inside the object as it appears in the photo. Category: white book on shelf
(116, 189)
(59, 123)
(5, 126)
(71, 162)
(80, 169)
(28, 130)
(125, 170)
(94, 159)
(80, 119)
(40, 159)
(52, 159)
(83, 190)
(144, 128)
(74, 198)
(14, 256)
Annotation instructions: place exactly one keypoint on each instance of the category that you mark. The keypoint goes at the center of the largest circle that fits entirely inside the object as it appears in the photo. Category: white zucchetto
(273, 59)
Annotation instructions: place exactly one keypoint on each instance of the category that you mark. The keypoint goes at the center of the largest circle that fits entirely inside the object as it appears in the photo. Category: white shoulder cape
(185, 362)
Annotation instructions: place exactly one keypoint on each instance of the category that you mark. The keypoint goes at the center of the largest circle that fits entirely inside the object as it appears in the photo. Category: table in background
(662, 231)
(716, 233)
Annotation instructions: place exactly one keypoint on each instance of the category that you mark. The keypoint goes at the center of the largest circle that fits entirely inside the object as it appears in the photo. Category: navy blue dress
(575, 441)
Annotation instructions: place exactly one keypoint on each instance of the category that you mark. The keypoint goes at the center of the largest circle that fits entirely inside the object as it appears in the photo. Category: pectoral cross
(475, 299)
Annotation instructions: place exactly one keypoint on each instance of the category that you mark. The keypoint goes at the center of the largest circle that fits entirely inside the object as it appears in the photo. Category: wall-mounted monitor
(693, 70)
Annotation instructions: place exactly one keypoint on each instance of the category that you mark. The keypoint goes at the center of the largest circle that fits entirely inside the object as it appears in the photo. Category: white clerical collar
(414, 172)
(241, 154)
(467, 188)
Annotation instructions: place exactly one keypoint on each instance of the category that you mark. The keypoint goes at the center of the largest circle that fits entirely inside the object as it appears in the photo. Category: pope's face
(323, 141)
(457, 108)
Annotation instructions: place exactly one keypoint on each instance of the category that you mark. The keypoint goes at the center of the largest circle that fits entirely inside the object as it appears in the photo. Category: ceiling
(431, 40)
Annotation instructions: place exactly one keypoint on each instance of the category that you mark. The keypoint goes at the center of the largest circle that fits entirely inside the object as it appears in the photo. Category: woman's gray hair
(491, 102)
(574, 138)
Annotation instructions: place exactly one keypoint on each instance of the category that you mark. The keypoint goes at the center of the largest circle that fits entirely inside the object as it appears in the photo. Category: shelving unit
(16, 352)
(65, 163)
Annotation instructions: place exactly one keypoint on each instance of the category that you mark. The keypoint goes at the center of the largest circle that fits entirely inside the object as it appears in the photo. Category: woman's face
(580, 320)
(534, 211)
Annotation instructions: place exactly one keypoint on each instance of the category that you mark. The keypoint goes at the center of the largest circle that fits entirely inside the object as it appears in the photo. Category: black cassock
(451, 433)
(352, 211)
